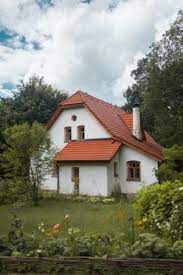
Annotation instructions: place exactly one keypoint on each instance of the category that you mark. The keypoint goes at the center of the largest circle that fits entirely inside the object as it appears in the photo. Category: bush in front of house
(160, 205)
(177, 249)
(12, 191)
(150, 246)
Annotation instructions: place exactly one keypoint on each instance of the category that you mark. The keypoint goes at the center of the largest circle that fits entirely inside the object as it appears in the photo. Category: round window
(74, 117)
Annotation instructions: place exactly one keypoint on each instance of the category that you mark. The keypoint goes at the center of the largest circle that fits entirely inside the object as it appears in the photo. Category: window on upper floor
(116, 172)
(67, 134)
(133, 171)
(81, 132)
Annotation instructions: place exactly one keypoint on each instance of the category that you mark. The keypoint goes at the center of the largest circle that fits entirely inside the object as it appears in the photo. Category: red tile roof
(114, 119)
(89, 150)
(73, 99)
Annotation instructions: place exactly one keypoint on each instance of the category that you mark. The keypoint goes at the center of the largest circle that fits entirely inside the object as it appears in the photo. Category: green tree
(172, 167)
(28, 156)
(159, 86)
(34, 100)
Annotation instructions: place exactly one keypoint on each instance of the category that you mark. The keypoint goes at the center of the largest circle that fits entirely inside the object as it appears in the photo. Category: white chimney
(136, 123)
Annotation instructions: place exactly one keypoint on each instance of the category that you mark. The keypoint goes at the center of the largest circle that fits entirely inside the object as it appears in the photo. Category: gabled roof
(89, 150)
(115, 120)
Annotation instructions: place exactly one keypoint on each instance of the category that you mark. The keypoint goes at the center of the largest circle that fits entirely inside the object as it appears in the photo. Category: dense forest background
(158, 87)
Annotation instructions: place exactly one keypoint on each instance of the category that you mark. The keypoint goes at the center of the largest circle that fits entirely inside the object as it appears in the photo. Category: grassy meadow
(89, 217)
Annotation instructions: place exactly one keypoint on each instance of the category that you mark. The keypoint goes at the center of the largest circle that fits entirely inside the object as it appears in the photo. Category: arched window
(133, 170)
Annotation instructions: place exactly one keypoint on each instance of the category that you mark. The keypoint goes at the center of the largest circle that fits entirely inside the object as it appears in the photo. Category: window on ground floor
(116, 169)
(75, 173)
(75, 180)
(133, 170)
(54, 169)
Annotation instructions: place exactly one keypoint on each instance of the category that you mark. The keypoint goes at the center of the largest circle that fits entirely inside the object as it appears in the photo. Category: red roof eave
(89, 150)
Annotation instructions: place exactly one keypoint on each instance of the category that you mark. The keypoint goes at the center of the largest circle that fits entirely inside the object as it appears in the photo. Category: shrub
(161, 206)
(65, 240)
(5, 248)
(177, 249)
(172, 167)
(12, 191)
(150, 246)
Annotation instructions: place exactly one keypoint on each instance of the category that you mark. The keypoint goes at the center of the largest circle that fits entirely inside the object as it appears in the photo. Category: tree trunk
(35, 197)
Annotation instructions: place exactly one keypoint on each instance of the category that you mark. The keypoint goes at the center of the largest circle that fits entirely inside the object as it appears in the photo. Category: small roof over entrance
(89, 150)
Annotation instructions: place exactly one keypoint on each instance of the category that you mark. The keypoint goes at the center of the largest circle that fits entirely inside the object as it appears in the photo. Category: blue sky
(90, 45)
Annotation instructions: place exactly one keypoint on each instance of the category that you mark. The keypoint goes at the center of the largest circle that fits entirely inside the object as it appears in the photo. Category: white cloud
(83, 46)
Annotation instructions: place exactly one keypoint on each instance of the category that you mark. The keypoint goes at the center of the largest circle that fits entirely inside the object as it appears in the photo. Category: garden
(150, 226)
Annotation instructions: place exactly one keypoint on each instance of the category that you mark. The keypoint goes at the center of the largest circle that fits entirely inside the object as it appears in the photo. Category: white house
(100, 148)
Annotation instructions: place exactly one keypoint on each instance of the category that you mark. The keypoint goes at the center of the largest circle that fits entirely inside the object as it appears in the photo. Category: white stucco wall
(93, 178)
(113, 182)
(93, 130)
(148, 165)
(98, 179)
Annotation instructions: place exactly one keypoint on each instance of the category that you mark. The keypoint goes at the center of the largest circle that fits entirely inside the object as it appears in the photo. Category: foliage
(177, 249)
(5, 248)
(13, 191)
(159, 86)
(66, 240)
(32, 101)
(75, 181)
(150, 246)
(28, 156)
(161, 207)
(172, 167)
(45, 194)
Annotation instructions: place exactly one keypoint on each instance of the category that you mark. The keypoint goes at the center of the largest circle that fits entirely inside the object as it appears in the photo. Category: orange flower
(56, 226)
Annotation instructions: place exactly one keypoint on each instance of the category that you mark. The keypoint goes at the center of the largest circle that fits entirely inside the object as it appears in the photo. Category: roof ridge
(103, 101)
(74, 94)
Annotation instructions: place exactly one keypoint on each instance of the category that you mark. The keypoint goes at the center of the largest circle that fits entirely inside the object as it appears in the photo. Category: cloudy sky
(89, 45)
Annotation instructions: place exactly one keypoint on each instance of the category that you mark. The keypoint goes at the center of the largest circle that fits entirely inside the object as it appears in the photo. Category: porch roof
(89, 150)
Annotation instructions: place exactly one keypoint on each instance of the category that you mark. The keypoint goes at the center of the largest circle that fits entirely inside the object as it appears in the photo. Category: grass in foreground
(89, 217)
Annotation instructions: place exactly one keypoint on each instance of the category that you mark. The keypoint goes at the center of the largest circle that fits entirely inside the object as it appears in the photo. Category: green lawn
(89, 217)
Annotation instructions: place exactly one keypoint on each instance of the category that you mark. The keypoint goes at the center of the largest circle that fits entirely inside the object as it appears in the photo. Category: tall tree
(28, 149)
(34, 100)
(159, 86)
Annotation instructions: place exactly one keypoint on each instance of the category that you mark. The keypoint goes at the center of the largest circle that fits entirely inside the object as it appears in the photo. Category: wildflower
(73, 230)
(66, 217)
(56, 226)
